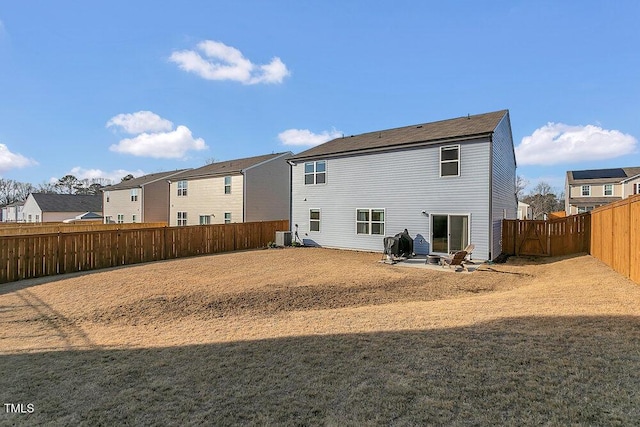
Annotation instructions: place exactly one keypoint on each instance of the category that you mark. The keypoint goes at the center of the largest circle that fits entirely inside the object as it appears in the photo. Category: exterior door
(449, 233)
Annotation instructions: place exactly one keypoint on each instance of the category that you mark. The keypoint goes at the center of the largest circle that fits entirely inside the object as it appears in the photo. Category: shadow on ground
(525, 371)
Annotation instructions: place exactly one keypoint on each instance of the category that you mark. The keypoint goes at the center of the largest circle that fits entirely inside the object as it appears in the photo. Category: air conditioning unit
(283, 238)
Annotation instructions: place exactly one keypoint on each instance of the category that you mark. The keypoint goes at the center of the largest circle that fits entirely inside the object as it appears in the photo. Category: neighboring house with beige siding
(142, 199)
(45, 207)
(239, 190)
(449, 183)
(588, 189)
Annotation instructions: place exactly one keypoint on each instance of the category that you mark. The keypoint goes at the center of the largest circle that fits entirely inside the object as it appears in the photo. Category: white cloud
(557, 143)
(306, 137)
(155, 136)
(9, 160)
(166, 145)
(142, 121)
(115, 176)
(222, 62)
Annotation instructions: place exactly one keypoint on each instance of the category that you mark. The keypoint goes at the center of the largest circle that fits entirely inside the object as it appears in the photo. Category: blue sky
(103, 89)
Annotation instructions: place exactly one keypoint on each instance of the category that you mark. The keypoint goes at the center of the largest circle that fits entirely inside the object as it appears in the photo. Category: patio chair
(470, 247)
(456, 260)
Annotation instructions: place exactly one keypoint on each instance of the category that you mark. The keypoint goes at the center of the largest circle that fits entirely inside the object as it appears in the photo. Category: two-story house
(449, 183)
(239, 190)
(13, 212)
(142, 199)
(588, 189)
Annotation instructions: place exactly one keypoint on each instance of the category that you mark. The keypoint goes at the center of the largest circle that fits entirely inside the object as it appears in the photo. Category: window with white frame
(134, 194)
(370, 221)
(315, 172)
(608, 189)
(583, 209)
(227, 185)
(108, 220)
(585, 190)
(106, 195)
(120, 218)
(227, 217)
(182, 188)
(134, 218)
(37, 218)
(450, 160)
(205, 219)
(314, 219)
(182, 218)
(29, 218)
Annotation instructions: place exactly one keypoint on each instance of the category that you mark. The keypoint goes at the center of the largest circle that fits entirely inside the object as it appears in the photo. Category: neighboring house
(142, 199)
(588, 189)
(524, 211)
(240, 190)
(44, 207)
(13, 212)
(449, 183)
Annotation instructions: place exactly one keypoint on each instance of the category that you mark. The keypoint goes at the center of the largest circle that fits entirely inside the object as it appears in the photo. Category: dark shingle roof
(68, 202)
(462, 127)
(602, 176)
(228, 167)
(142, 180)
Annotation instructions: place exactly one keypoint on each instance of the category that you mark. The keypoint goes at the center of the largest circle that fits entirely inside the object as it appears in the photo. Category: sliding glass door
(449, 233)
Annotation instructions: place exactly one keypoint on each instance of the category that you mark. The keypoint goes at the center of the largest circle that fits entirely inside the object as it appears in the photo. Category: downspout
(141, 203)
(169, 204)
(290, 194)
(490, 196)
(244, 192)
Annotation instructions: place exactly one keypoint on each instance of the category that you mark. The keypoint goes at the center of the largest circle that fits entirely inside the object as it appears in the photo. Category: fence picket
(46, 254)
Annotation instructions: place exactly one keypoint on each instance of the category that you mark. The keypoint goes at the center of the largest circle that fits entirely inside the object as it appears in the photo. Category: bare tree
(14, 191)
(521, 184)
(543, 200)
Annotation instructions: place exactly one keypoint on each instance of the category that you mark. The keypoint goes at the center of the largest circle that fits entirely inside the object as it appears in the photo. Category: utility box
(283, 238)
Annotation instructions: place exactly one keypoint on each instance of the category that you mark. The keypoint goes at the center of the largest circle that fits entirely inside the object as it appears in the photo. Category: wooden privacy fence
(615, 236)
(556, 237)
(30, 256)
(57, 227)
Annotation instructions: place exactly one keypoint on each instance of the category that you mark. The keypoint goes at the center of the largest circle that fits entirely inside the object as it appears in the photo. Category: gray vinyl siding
(404, 183)
(504, 203)
(267, 191)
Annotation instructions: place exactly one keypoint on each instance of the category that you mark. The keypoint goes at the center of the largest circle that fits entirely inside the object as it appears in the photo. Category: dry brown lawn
(317, 336)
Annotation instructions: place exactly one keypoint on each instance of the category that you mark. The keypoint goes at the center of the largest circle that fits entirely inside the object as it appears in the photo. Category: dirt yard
(317, 336)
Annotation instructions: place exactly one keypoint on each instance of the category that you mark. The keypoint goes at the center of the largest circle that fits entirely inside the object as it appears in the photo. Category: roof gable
(452, 129)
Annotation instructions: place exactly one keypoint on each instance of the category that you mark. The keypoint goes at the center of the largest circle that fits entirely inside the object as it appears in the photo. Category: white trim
(370, 222)
(319, 221)
(448, 215)
(450, 161)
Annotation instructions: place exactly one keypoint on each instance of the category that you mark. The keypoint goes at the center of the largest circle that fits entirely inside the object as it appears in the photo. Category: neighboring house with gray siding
(449, 183)
(142, 199)
(240, 190)
(46, 207)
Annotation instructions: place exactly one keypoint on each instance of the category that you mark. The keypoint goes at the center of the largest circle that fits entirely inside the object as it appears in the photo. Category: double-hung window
(608, 189)
(106, 195)
(134, 194)
(585, 190)
(314, 219)
(120, 218)
(205, 219)
(134, 218)
(182, 218)
(370, 221)
(227, 185)
(182, 188)
(315, 172)
(450, 160)
(227, 217)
